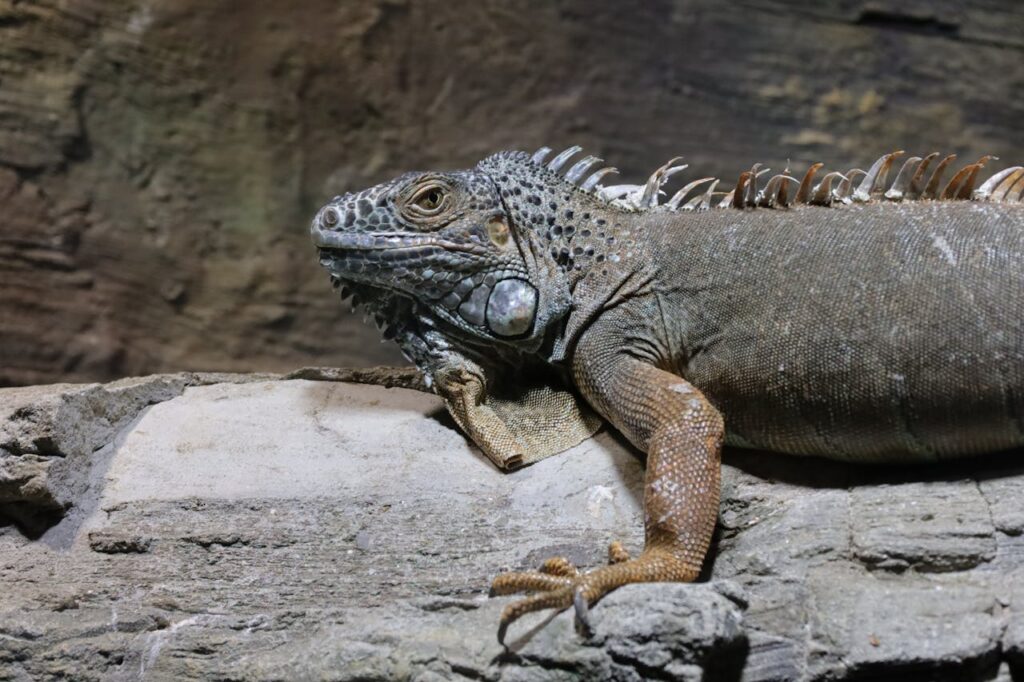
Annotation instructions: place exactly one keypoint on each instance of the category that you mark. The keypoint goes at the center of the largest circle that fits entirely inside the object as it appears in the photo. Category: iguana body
(876, 332)
(862, 321)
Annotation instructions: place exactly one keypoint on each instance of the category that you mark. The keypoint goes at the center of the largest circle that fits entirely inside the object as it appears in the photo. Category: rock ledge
(245, 527)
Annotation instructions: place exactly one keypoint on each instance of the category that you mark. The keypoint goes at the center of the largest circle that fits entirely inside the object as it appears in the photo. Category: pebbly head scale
(436, 259)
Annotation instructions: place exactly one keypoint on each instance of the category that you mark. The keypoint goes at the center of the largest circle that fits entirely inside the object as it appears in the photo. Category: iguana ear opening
(517, 420)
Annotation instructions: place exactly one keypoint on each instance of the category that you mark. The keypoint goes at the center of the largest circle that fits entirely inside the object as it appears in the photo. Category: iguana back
(881, 331)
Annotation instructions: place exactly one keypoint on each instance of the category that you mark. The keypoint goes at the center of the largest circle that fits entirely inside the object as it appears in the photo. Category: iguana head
(466, 252)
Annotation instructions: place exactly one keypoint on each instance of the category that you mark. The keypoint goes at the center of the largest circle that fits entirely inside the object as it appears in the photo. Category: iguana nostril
(330, 217)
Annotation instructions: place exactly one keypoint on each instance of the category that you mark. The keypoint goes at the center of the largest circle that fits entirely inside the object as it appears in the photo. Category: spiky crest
(783, 190)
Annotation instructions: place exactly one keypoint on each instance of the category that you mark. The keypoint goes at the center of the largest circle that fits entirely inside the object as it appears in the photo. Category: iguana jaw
(401, 243)
(464, 282)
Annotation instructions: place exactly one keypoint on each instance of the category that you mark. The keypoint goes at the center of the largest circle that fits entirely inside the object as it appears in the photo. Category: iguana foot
(558, 584)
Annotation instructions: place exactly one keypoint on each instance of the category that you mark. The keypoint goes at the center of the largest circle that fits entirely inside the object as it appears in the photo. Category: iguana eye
(429, 201)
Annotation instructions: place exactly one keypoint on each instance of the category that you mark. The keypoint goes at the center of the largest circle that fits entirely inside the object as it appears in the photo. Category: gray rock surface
(251, 527)
(48, 435)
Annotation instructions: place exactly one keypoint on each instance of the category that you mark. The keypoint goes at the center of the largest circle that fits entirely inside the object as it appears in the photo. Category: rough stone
(49, 434)
(1014, 643)
(939, 526)
(266, 528)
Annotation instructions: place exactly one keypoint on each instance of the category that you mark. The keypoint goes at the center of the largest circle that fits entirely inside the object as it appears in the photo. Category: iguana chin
(836, 314)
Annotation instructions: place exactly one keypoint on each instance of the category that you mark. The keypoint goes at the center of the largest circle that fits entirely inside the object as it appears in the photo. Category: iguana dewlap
(837, 314)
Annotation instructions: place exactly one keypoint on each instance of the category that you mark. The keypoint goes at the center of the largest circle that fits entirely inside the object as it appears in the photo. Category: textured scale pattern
(864, 315)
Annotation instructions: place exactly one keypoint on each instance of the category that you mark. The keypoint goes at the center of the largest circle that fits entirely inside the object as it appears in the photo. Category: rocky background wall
(159, 159)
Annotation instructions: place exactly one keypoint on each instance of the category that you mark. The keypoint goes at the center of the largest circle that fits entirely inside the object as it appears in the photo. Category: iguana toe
(554, 573)
(617, 553)
(528, 581)
(559, 566)
(559, 584)
(555, 567)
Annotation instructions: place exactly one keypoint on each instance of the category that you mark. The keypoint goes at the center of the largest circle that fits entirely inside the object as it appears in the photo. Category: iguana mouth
(360, 241)
(364, 263)
(402, 268)
(404, 244)
(388, 262)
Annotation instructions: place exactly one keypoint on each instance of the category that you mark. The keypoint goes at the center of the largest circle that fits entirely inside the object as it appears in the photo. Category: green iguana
(847, 317)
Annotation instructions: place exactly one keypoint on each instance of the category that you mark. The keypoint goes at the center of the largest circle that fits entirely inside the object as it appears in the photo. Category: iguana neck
(599, 250)
(580, 234)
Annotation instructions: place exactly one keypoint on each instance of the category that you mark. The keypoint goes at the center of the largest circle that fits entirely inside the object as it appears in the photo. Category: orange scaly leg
(682, 433)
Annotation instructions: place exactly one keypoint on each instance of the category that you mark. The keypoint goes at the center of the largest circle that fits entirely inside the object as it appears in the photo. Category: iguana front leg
(514, 422)
(682, 433)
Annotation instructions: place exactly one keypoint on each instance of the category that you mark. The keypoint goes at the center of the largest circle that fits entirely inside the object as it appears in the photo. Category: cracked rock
(261, 528)
(49, 434)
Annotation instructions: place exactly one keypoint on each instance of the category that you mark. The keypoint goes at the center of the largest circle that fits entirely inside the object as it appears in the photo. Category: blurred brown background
(160, 159)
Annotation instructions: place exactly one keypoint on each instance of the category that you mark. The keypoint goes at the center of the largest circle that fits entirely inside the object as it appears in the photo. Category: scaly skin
(877, 331)
(883, 332)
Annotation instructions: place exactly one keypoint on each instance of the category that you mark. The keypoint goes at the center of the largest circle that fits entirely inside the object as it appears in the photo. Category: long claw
(556, 599)
(502, 630)
(563, 586)
(579, 603)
